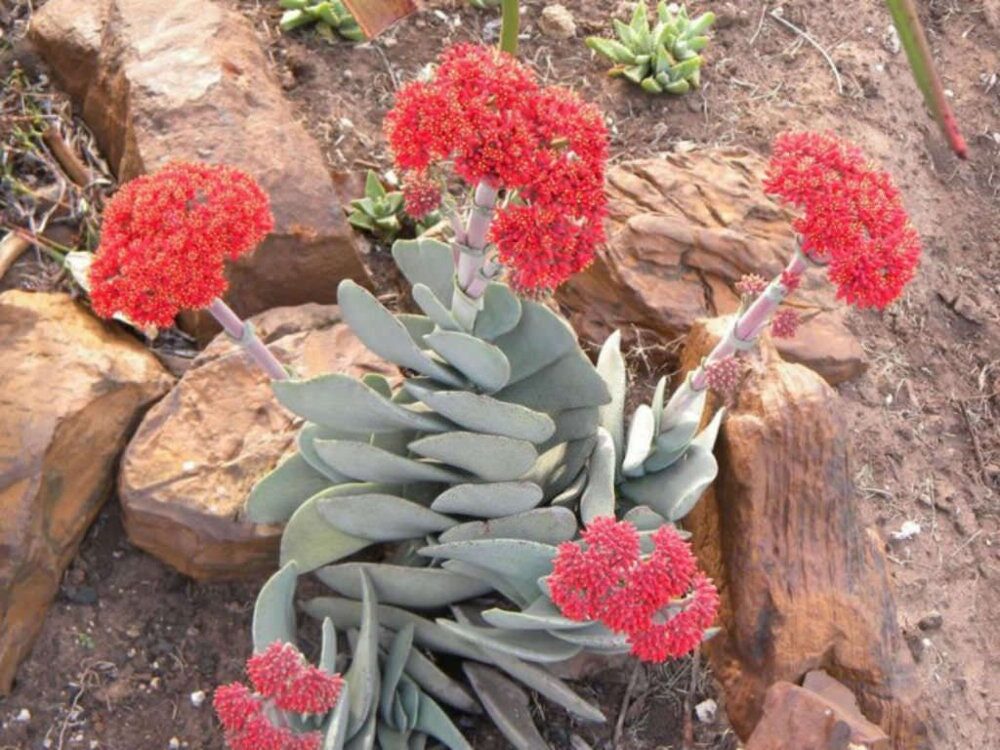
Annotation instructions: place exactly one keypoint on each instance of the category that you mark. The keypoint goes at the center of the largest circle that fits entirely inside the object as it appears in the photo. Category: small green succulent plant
(329, 16)
(664, 58)
(381, 212)
(484, 4)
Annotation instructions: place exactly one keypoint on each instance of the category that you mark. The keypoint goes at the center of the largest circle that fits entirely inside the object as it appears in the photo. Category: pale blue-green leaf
(482, 413)
(431, 679)
(378, 383)
(395, 661)
(644, 518)
(508, 706)
(417, 326)
(435, 722)
(407, 703)
(500, 314)
(274, 610)
(639, 442)
(599, 496)
(572, 424)
(386, 336)
(433, 308)
(707, 437)
(576, 455)
(328, 650)
(491, 457)
(367, 463)
(403, 586)
(310, 541)
(545, 525)
(676, 431)
(364, 738)
(381, 518)
(540, 338)
(596, 635)
(611, 366)
(348, 404)
(541, 615)
(520, 592)
(674, 491)
(346, 613)
(426, 261)
(488, 500)
(532, 645)
(568, 383)
(481, 362)
(277, 496)
(336, 727)
(657, 404)
(392, 739)
(363, 675)
(306, 442)
(511, 558)
(570, 497)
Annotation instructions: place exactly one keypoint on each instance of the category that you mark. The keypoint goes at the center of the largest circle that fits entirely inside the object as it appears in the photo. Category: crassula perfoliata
(661, 58)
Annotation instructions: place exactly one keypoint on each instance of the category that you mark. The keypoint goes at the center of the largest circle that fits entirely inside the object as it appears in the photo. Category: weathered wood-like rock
(681, 231)
(72, 390)
(188, 80)
(803, 584)
(188, 470)
(796, 718)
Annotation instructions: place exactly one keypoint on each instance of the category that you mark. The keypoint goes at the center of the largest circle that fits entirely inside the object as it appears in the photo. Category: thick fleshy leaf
(348, 404)
(569, 383)
(367, 463)
(544, 682)
(532, 645)
(328, 650)
(391, 739)
(511, 558)
(520, 592)
(544, 525)
(274, 610)
(336, 728)
(570, 497)
(435, 722)
(310, 541)
(417, 326)
(644, 518)
(431, 679)
(541, 338)
(707, 437)
(611, 366)
(508, 706)
(573, 424)
(568, 470)
(426, 261)
(433, 308)
(379, 330)
(306, 442)
(500, 314)
(599, 496)
(395, 661)
(364, 738)
(674, 491)
(488, 500)
(402, 585)
(363, 674)
(541, 615)
(486, 414)
(491, 457)
(279, 494)
(481, 362)
(639, 442)
(657, 403)
(675, 435)
(381, 518)
(595, 635)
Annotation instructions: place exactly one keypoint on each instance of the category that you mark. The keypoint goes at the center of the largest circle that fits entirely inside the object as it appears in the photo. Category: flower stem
(470, 281)
(509, 26)
(244, 334)
(745, 331)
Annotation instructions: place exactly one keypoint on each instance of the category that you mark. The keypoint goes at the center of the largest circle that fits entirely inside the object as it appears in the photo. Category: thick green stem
(510, 26)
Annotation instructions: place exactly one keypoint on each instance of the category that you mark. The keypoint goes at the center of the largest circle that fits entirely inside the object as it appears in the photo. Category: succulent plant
(329, 16)
(381, 212)
(484, 4)
(662, 58)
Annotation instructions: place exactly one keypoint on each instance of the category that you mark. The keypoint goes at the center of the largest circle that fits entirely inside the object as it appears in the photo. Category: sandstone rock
(796, 718)
(72, 391)
(682, 230)
(557, 22)
(188, 470)
(188, 80)
(803, 585)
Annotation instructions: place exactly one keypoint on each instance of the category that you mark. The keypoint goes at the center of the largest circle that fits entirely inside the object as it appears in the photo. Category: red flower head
(784, 324)
(608, 580)
(165, 237)
(724, 375)
(421, 194)
(750, 285)
(283, 681)
(544, 146)
(853, 217)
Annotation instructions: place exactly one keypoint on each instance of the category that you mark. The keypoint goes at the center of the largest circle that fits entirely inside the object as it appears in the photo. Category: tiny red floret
(421, 195)
(165, 237)
(724, 375)
(750, 285)
(785, 324)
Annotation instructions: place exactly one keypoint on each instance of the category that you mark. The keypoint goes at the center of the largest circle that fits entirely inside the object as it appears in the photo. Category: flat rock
(188, 80)
(187, 472)
(73, 389)
(796, 718)
(682, 230)
(803, 585)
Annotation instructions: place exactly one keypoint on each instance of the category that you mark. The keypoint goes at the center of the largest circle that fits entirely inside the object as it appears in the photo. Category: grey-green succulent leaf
(540, 338)
(674, 491)
(488, 500)
(508, 706)
(639, 442)
(403, 585)
(368, 463)
(500, 314)
(531, 645)
(363, 674)
(516, 559)
(310, 542)
(280, 493)
(480, 361)
(482, 413)
(599, 495)
(611, 367)
(336, 728)
(550, 526)
(426, 261)
(381, 518)
(434, 309)
(490, 457)
(274, 610)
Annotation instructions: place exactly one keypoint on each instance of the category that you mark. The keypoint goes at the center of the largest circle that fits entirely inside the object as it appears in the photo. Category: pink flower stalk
(608, 580)
(283, 682)
(542, 149)
(852, 221)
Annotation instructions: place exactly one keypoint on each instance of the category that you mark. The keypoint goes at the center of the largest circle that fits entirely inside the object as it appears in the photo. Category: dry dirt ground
(119, 671)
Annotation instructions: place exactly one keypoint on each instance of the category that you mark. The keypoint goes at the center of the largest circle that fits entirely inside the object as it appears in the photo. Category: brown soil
(119, 671)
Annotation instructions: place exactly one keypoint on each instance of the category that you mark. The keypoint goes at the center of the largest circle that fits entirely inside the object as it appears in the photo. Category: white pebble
(174, 743)
(197, 698)
(189, 466)
(908, 530)
(23, 716)
(706, 711)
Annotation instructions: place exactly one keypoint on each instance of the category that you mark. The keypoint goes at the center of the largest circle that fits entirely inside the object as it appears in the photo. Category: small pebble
(706, 711)
(931, 621)
(174, 743)
(908, 530)
(197, 698)
(23, 716)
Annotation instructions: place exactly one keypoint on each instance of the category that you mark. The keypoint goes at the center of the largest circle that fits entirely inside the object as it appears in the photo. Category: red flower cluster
(750, 285)
(785, 324)
(543, 145)
(724, 374)
(853, 217)
(610, 581)
(282, 680)
(421, 195)
(165, 238)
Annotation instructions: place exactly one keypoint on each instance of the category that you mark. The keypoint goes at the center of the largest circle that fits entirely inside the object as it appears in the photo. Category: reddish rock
(682, 230)
(803, 585)
(187, 472)
(796, 718)
(73, 389)
(188, 80)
